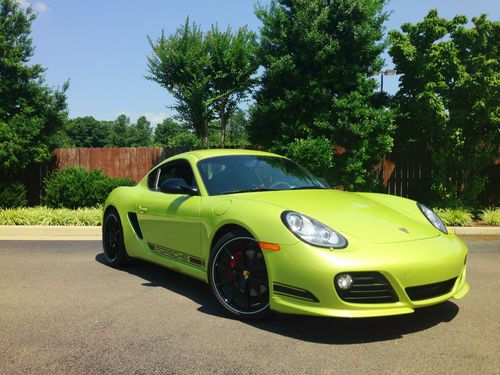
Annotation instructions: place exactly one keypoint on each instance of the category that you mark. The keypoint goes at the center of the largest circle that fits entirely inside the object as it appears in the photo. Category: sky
(101, 46)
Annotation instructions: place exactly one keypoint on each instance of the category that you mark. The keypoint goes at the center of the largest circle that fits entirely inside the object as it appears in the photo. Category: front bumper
(301, 276)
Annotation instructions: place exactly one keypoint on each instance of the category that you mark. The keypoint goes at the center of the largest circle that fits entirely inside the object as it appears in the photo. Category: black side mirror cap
(177, 186)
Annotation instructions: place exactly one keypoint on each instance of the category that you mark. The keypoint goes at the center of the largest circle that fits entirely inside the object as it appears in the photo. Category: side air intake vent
(132, 216)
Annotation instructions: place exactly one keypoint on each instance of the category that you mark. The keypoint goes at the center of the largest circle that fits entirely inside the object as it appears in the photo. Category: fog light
(344, 281)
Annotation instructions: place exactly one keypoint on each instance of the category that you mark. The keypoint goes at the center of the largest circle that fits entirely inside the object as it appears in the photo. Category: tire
(112, 240)
(238, 276)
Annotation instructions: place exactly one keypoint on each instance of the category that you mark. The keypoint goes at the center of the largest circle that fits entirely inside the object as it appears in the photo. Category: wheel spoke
(247, 295)
(222, 283)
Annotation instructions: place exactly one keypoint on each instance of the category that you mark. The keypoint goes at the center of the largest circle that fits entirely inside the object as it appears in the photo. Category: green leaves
(315, 87)
(208, 74)
(449, 98)
(51, 216)
(30, 112)
(76, 187)
(172, 134)
(89, 132)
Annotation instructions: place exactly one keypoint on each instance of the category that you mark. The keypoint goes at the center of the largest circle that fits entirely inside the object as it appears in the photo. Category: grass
(50, 216)
(456, 217)
(491, 216)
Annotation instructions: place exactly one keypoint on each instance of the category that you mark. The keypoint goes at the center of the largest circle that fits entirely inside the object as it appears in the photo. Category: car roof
(204, 154)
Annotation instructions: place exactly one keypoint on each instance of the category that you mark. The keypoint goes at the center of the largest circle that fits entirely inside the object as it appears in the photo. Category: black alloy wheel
(112, 239)
(238, 276)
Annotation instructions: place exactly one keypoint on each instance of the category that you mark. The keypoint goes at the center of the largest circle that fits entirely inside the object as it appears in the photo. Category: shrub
(13, 194)
(491, 216)
(455, 216)
(76, 187)
(50, 216)
(314, 154)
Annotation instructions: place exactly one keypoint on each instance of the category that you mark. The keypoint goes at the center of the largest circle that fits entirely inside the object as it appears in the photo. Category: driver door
(170, 223)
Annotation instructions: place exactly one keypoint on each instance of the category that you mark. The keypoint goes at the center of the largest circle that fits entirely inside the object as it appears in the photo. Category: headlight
(433, 218)
(312, 231)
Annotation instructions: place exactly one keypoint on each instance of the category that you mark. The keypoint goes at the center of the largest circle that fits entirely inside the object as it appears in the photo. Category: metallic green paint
(385, 234)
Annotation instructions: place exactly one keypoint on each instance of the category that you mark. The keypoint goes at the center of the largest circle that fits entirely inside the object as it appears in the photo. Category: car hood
(352, 214)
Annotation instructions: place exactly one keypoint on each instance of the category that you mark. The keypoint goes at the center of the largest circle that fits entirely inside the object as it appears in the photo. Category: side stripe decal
(177, 255)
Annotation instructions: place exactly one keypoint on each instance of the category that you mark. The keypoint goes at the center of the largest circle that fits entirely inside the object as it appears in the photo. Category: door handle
(143, 209)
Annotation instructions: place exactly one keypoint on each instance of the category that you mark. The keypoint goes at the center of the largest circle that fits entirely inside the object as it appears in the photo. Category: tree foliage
(87, 132)
(237, 128)
(206, 73)
(449, 99)
(172, 134)
(30, 112)
(140, 133)
(179, 64)
(76, 187)
(232, 65)
(316, 84)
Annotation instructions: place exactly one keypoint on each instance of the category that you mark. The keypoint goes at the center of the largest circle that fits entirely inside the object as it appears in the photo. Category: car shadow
(307, 328)
(157, 276)
(361, 330)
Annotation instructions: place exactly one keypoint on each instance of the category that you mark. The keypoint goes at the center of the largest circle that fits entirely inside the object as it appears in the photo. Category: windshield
(245, 173)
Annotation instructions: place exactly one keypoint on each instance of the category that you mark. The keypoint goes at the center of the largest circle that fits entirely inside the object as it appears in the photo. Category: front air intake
(417, 293)
(366, 287)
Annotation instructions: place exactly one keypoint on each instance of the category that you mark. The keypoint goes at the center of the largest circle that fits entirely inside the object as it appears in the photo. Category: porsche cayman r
(267, 235)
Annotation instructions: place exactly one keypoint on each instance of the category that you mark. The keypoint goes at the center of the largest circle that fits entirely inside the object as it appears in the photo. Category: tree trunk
(223, 120)
(206, 141)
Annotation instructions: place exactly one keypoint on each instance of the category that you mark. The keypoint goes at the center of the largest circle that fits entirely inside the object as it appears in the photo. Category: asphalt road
(63, 311)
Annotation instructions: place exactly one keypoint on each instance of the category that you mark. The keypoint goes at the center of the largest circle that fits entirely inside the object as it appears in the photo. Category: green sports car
(268, 235)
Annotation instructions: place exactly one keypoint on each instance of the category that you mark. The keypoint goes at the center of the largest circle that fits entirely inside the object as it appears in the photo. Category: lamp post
(388, 72)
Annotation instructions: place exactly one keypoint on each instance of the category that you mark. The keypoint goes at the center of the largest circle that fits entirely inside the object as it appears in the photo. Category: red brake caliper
(232, 264)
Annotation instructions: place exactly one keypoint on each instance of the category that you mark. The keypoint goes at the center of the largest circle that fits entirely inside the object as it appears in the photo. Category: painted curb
(476, 231)
(48, 232)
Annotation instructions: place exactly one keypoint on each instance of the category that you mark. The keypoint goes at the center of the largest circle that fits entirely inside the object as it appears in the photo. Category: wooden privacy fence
(407, 173)
(129, 162)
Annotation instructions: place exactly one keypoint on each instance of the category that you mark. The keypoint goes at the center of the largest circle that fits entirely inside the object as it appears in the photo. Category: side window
(152, 178)
(176, 169)
(166, 172)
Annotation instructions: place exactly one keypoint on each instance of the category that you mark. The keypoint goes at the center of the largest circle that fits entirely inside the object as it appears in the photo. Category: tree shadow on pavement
(313, 329)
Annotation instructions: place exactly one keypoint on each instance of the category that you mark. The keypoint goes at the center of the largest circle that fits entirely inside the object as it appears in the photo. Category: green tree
(208, 74)
(237, 126)
(166, 130)
(449, 99)
(139, 134)
(232, 66)
(179, 64)
(119, 132)
(316, 85)
(30, 112)
(170, 133)
(87, 132)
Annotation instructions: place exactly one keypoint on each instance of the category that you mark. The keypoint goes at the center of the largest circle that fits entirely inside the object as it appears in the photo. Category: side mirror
(177, 186)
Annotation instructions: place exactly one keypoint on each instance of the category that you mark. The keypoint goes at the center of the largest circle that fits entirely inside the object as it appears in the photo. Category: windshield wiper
(253, 190)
